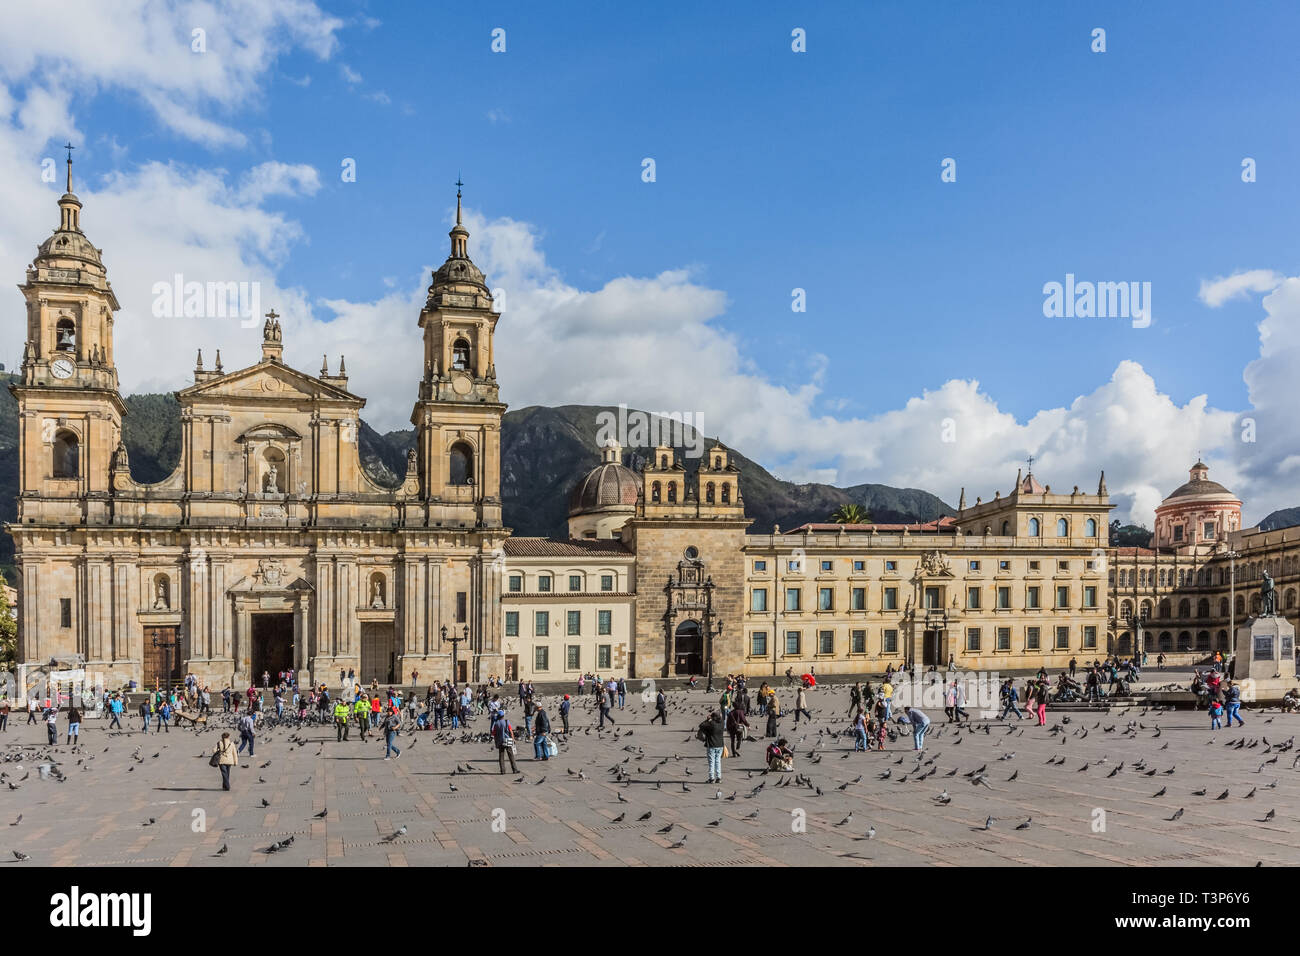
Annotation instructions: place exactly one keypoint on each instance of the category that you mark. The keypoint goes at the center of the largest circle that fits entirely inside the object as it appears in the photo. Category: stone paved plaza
(568, 811)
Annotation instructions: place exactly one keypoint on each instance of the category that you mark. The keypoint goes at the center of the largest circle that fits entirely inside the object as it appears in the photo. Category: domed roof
(609, 486)
(1199, 486)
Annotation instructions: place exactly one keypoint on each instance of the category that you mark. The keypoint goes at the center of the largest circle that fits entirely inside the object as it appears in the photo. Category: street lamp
(710, 684)
(1232, 601)
(455, 642)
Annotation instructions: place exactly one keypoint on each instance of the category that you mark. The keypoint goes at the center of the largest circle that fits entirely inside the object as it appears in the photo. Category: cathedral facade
(269, 547)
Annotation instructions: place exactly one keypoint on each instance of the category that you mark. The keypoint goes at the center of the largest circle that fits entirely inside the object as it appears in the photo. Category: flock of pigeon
(634, 775)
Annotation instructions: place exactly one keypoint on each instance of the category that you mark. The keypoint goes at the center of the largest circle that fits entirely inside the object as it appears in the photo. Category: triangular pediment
(268, 380)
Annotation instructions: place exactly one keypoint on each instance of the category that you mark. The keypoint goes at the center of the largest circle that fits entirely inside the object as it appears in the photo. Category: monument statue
(269, 484)
(376, 596)
(1267, 597)
(160, 602)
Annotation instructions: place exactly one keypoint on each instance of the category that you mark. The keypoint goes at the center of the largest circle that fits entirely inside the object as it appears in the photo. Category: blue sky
(775, 170)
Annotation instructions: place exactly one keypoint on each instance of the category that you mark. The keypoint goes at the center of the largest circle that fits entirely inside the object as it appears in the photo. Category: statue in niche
(377, 594)
(160, 603)
(270, 483)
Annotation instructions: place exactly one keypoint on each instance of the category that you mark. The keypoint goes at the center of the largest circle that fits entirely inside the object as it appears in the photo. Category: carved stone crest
(270, 572)
(934, 563)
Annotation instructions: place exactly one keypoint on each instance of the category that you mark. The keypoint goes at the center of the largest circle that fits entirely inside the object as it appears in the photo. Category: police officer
(362, 711)
(341, 719)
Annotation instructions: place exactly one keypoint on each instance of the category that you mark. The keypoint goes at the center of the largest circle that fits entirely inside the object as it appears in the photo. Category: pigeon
(225, 848)
(645, 816)
(1222, 796)
(18, 821)
(716, 823)
(321, 815)
(988, 824)
(400, 831)
(1025, 825)
(151, 822)
(1013, 776)
(20, 856)
(266, 802)
(619, 818)
(871, 832)
(944, 798)
(667, 828)
(1199, 793)
(1161, 792)
(1177, 814)
(846, 820)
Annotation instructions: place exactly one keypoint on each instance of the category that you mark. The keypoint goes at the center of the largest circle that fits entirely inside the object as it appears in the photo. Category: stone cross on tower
(272, 338)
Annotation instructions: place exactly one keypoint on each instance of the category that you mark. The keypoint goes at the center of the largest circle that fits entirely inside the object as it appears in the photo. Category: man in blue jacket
(1234, 705)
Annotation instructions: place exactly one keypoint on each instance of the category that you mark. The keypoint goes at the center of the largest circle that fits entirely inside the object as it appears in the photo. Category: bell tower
(69, 409)
(458, 414)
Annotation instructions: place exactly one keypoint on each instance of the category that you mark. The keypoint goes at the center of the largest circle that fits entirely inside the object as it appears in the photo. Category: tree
(8, 630)
(851, 514)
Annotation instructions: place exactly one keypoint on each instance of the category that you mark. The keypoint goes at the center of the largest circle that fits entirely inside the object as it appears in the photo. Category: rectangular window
(826, 565)
(604, 623)
(972, 638)
(65, 612)
(1033, 565)
(574, 625)
(544, 583)
(760, 565)
(572, 657)
(932, 598)
(758, 644)
(462, 607)
(794, 567)
(891, 599)
(541, 658)
(825, 599)
(791, 643)
(1209, 531)
(1062, 565)
(758, 599)
(575, 582)
(859, 599)
(603, 657)
(512, 623)
(889, 642)
(1032, 598)
(859, 566)
(792, 599)
(1062, 638)
(1004, 565)
(1004, 638)
(891, 565)
(1063, 595)
(1031, 639)
(1090, 597)
(1089, 637)
(857, 642)
(1178, 533)
(541, 623)
(1004, 598)
(825, 642)
(973, 565)
(516, 583)
(607, 582)
(973, 598)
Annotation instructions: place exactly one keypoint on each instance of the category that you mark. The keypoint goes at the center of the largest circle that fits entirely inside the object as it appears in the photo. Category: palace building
(270, 547)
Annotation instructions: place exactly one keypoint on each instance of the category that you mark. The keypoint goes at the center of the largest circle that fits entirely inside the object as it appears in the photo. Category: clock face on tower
(62, 368)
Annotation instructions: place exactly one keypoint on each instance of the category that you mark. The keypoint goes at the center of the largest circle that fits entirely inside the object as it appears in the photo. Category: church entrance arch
(689, 649)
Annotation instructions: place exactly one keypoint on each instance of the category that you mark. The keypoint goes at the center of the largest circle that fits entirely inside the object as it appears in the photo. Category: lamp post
(710, 685)
(1232, 601)
(455, 643)
(166, 647)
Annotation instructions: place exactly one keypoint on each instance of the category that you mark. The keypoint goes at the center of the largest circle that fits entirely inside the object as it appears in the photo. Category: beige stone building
(269, 547)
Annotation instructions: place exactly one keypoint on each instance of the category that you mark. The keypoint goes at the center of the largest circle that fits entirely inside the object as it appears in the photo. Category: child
(1216, 715)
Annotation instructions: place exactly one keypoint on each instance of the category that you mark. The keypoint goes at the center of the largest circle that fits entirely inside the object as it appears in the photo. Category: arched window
(1162, 577)
(672, 491)
(460, 355)
(65, 336)
(1202, 640)
(717, 463)
(1241, 605)
(1062, 528)
(1090, 528)
(1203, 610)
(65, 458)
(1033, 527)
(1223, 607)
(1184, 609)
(663, 462)
(1184, 640)
(1146, 610)
(1166, 641)
(656, 492)
(1006, 528)
(1290, 599)
(1126, 610)
(726, 494)
(1165, 610)
(461, 460)
(1223, 640)
(709, 493)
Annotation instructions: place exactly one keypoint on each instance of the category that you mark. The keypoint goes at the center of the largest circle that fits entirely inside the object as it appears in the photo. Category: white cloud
(1215, 292)
(277, 179)
(349, 74)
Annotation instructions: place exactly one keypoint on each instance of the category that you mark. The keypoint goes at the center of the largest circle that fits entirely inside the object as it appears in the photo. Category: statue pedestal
(1266, 645)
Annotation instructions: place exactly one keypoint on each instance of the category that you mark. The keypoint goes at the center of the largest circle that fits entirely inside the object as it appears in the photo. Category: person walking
(391, 726)
(164, 717)
(32, 704)
(661, 709)
(920, 724)
(361, 711)
(115, 707)
(1009, 701)
(541, 728)
(801, 705)
(530, 708)
(711, 732)
(855, 698)
(605, 701)
(622, 692)
(340, 721)
(4, 713)
(736, 728)
(1040, 702)
(565, 705)
(504, 738)
(74, 722)
(52, 725)
(859, 731)
(1216, 715)
(247, 732)
(1073, 665)
(1233, 697)
(887, 693)
(773, 714)
(226, 758)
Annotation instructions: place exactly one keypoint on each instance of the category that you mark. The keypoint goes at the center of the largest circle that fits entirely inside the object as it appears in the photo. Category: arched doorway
(689, 649)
